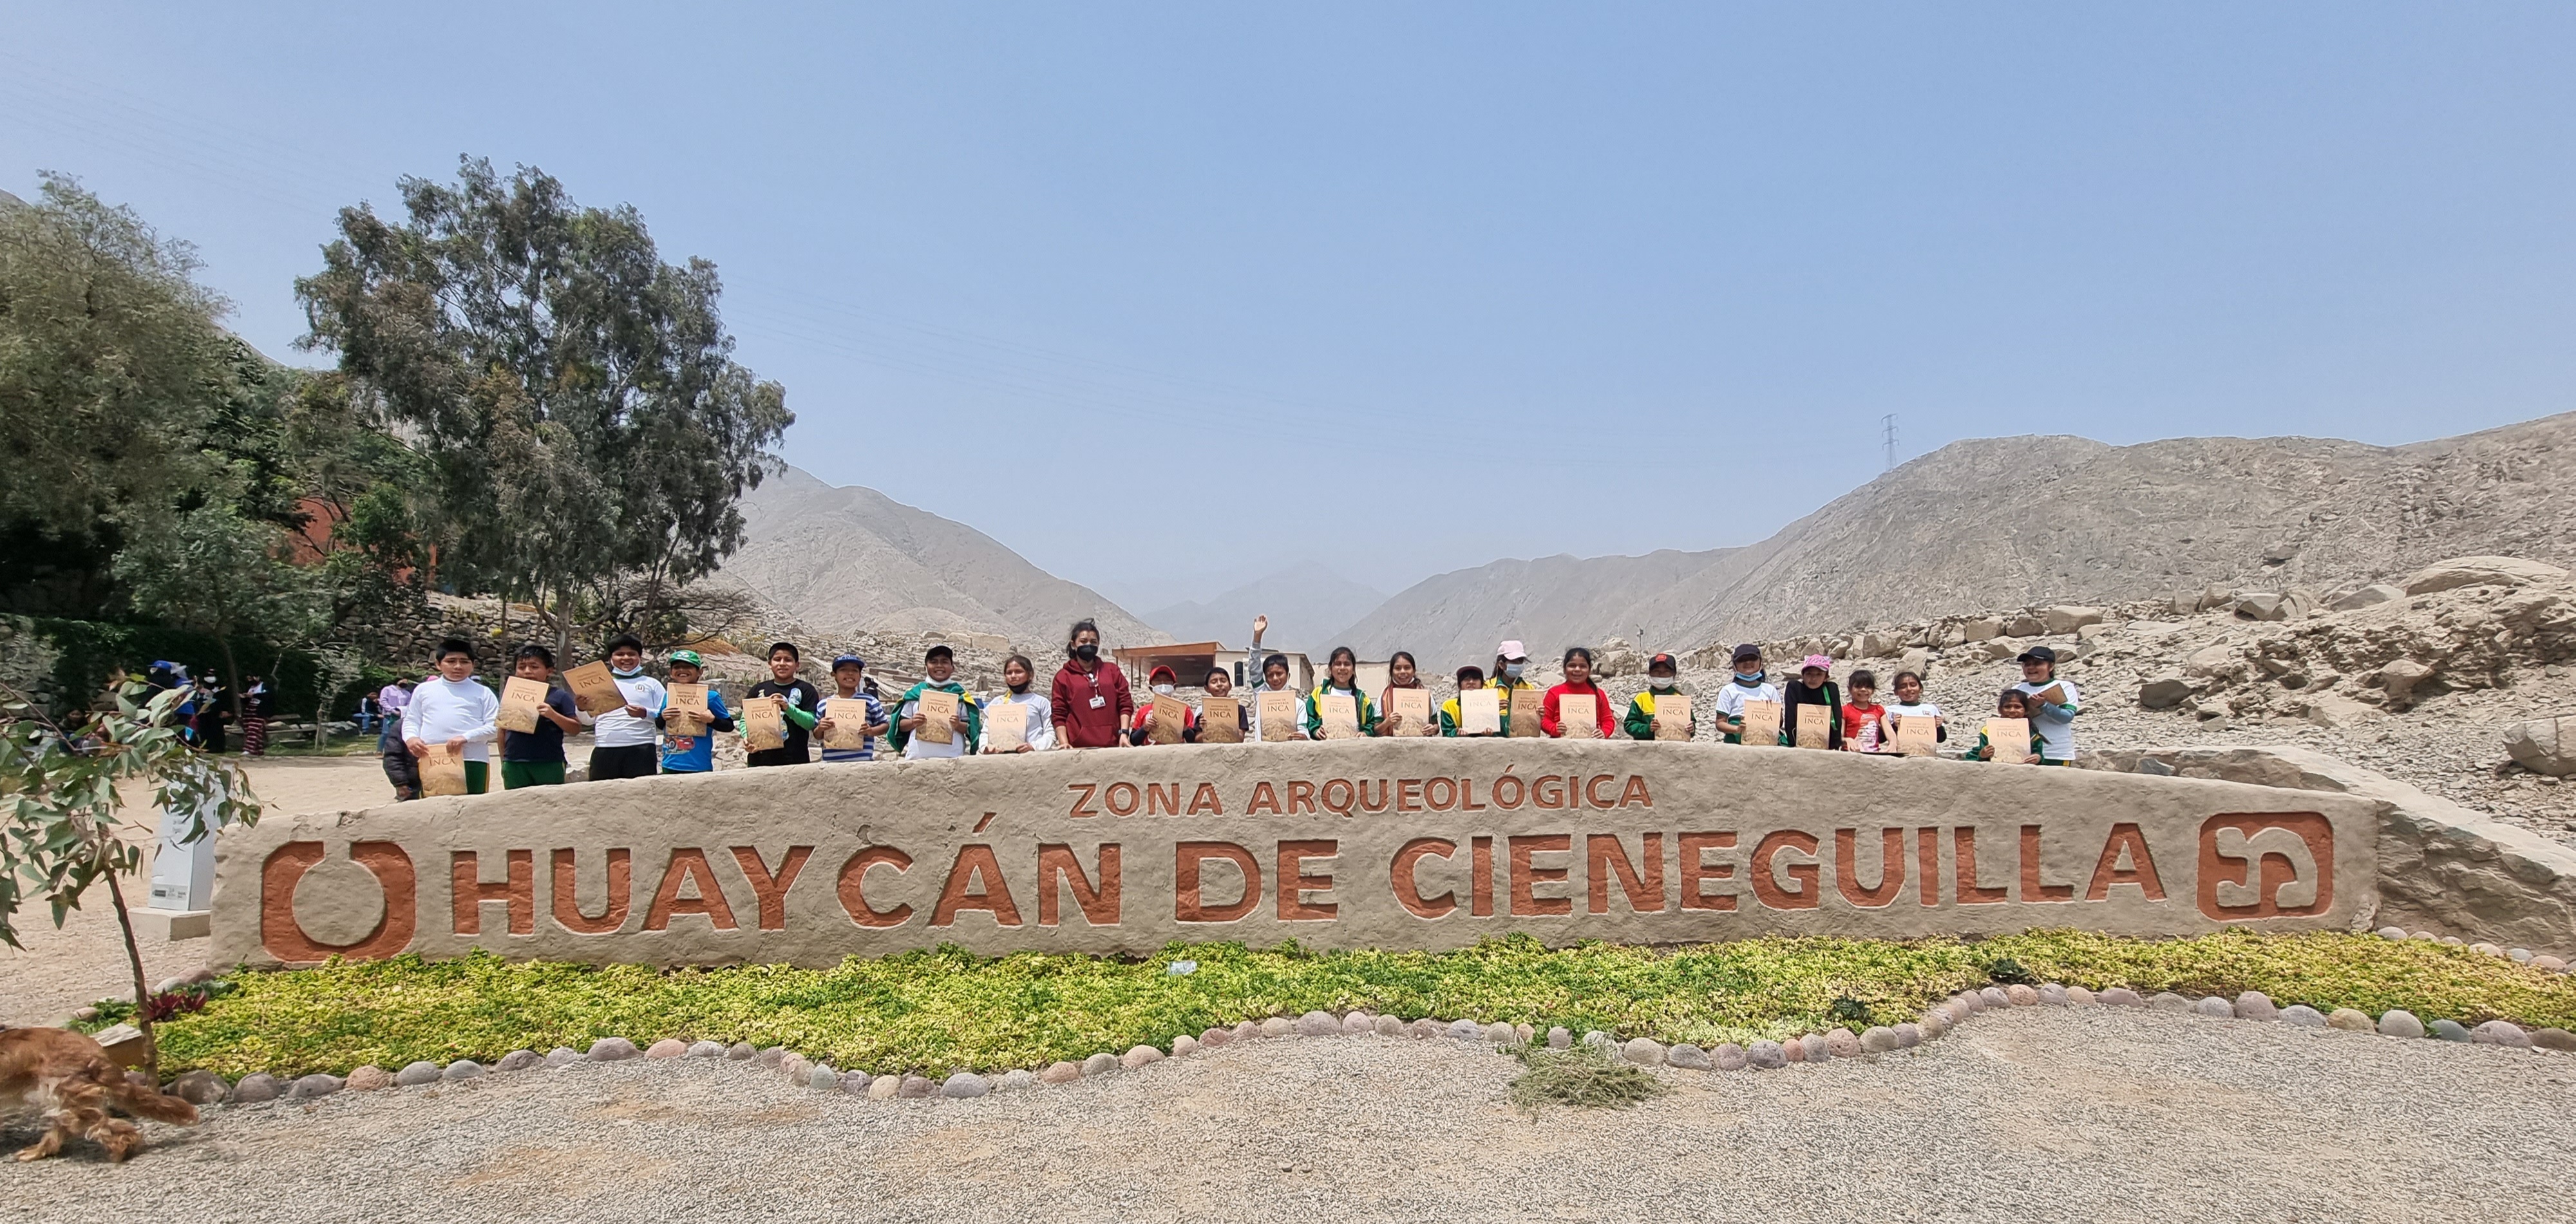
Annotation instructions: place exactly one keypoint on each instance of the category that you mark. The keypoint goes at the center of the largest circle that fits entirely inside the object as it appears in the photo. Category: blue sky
(1165, 296)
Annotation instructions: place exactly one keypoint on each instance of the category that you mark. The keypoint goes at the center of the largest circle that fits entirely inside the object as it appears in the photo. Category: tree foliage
(213, 570)
(574, 397)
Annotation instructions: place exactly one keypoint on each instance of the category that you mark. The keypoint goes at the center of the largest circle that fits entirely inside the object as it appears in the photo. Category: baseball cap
(1160, 671)
(1747, 651)
(1819, 662)
(2038, 654)
(1511, 650)
(1662, 660)
(850, 659)
(689, 657)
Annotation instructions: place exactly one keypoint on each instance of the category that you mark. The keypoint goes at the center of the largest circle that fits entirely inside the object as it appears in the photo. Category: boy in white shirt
(2052, 718)
(1744, 686)
(456, 710)
(624, 743)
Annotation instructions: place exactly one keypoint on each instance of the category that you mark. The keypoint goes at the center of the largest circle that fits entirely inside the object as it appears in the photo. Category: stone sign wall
(1387, 843)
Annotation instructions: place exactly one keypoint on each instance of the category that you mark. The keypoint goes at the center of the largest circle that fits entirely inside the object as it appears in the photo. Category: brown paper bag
(521, 698)
(1672, 716)
(936, 707)
(1220, 721)
(1762, 723)
(1412, 710)
(849, 717)
(1006, 726)
(764, 725)
(1281, 713)
(1816, 726)
(1578, 716)
(1340, 715)
(2009, 738)
(442, 772)
(1169, 720)
(1480, 712)
(2054, 694)
(687, 712)
(594, 688)
(1525, 712)
(1917, 734)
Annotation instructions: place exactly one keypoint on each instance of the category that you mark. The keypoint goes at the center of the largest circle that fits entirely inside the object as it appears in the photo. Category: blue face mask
(1512, 670)
(1750, 679)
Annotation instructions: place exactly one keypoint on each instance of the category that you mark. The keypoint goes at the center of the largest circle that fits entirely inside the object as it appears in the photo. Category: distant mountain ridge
(1305, 603)
(851, 558)
(2003, 522)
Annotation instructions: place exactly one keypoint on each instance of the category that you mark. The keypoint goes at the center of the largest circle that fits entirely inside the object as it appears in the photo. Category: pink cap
(1817, 661)
(1511, 650)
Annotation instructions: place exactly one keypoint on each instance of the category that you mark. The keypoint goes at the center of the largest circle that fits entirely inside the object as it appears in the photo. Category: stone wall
(1392, 844)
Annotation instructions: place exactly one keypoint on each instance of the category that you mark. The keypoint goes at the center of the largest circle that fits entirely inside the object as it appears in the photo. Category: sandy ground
(2038, 1114)
(85, 960)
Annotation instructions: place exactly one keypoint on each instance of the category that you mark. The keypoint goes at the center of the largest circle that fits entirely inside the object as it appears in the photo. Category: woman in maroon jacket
(1090, 694)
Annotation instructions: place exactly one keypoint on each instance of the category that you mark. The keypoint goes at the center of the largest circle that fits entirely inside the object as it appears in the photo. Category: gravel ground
(2036, 1114)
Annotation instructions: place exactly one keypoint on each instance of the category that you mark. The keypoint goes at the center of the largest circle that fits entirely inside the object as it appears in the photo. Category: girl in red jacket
(1578, 681)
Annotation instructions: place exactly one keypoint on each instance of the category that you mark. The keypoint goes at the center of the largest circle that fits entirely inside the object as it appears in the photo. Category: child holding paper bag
(852, 716)
(1476, 712)
(1750, 683)
(1811, 710)
(1662, 711)
(534, 756)
(1597, 721)
(1406, 703)
(1037, 722)
(783, 734)
(1163, 718)
(1339, 683)
(456, 711)
(688, 749)
(1278, 711)
(2010, 726)
(1224, 719)
(2052, 703)
(1917, 724)
(937, 717)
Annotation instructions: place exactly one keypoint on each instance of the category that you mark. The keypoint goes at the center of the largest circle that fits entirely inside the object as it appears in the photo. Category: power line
(1887, 438)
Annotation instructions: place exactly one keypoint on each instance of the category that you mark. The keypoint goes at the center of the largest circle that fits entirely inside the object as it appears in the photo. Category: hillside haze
(1305, 604)
(851, 558)
(2005, 522)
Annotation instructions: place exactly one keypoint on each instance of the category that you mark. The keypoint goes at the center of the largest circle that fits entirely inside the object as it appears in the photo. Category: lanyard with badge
(1093, 678)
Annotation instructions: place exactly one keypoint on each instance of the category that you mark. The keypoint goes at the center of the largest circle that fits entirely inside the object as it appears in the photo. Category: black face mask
(1019, 688)
(1087, 652)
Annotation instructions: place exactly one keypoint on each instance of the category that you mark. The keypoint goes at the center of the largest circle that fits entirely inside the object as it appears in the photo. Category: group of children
(454, 715)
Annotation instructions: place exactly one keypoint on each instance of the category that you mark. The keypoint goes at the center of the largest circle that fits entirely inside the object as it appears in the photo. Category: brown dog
(69, 1077)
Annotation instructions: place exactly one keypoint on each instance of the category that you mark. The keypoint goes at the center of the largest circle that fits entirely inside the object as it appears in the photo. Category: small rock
(1211, 1038)
(1389, 1026)
(1318, 1024)
(885, 1087)
(2426, 936)
(706, 1049)
(770, 1056)
(1016, 1079)
(463, 1069)
(2392, 932)
(1817, 1050)
(611, 1049)
(1879, 1039)
(1466, 1030)
(2079, 996)
(85, 1013)
(2164, 692)
(741, 1051)
(1060, 1073)
(519, 1060)
(2303, 1016)
(562, 1057)
(416, 1074)
(1974, 1001)
(1688, 1057)
(2493, 1032)
(1794, 1050)
(2488, 948)
(1184, 1045)
(1908, 1035)
(1245, 1030)
(823, 1078)
(1278, 1026)
(2480, 571)
(2519, 956)
(1996, 996)
(1359, 1024)
(1764, 1056)
(2351, 1021)
(2374, 594)
(254, 1088)
(1935, 1024)
(2021, 996)
(2398, 1022)
(1601, 1041)
(795, 1067)
(306, 1087)
(1842, 1043)
(1499, 1033)
(2168, 1001)
(2053, 995)
(369, 1078)
(2550, 963)
(1560, 1038)
(855, 1083)
(1426, 1028)
(2553, 1039)
(916, 1088)
(1729, 1057)
(1140, 1056)
(2449, 1030)
(1643, 1051)
(171, 985)
(668, 1047)
(2256, 1005)
(1523, 1033)
(2120, 996)
(966, 1084)
(1100, 1064)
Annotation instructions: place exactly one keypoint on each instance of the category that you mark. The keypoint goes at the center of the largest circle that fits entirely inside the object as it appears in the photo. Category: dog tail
(146, 1102)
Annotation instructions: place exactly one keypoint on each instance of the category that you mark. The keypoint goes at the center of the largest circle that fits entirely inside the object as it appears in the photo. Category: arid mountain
(849, 559)
(1305, 604)
(2012, 521)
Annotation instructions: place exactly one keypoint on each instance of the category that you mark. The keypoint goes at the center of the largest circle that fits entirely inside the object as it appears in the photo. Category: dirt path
(85, 960)
(2037, 1114)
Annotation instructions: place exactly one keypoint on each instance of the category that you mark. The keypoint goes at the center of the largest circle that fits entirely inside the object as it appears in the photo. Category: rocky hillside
(846, 560)
(2009, 521)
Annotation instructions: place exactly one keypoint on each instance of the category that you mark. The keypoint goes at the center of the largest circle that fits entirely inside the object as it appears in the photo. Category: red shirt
(1078, 722)
(1856, 717)
(1547, 718)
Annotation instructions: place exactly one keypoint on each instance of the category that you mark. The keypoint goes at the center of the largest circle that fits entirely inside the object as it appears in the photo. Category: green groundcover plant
(936, 1011)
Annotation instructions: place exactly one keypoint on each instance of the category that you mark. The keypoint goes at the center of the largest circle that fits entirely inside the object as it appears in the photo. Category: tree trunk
(142, 989)
(232, 679)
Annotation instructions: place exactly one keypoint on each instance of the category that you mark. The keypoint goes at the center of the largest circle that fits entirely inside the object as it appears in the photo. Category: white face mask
(1663, 683)
(1163, 690)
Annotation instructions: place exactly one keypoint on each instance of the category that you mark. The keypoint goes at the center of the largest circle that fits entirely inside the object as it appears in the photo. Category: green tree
(213, 570)
(575, 397)
(58, 831)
